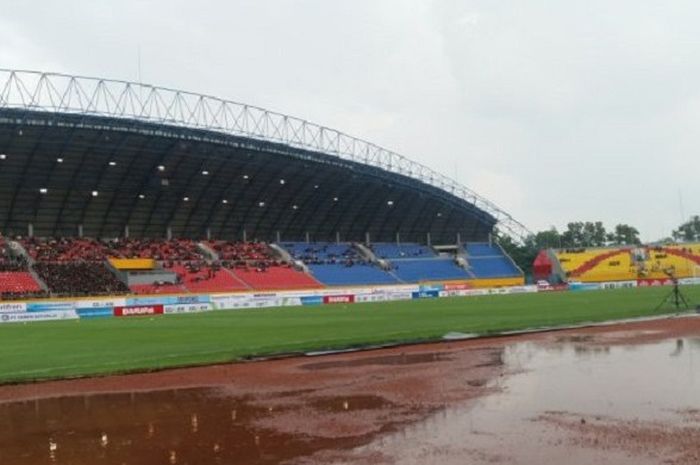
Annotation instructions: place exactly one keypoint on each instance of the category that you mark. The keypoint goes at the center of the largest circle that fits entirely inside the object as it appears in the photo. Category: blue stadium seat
(493, 267)
(357, 274)
(428, 269)
(483, 250)
(405, 250)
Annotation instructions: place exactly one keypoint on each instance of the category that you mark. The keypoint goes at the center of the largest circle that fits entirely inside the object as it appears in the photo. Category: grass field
(91, 347)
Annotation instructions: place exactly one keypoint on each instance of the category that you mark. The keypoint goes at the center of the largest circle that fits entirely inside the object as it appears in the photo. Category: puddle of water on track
(655, 384)
(203, 426)
(190, 426)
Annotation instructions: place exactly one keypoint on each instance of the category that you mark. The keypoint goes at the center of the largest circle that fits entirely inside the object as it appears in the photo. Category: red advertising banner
(138, 310)
(339, 299)
(654, 282)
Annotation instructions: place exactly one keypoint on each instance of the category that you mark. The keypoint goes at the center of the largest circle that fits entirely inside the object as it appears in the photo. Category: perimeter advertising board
(26, 317)
(138, 310)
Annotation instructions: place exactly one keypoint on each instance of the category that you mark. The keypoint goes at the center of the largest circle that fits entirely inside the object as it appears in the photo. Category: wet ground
(623, 394)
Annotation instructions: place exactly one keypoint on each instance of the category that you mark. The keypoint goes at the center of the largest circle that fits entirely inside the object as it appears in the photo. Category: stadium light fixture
(3, 156)
(112, 163)
(261, 204)
(282, 181)
(439, 214)
(335, 199)
(142, 196)
(59, 160)
(295, 207)
(245, 176)
(43, 190)
(316, 186)
(224, 201)
(205, 173)
(161, 167)
(95, 193)
(186, 199)
(390, 203)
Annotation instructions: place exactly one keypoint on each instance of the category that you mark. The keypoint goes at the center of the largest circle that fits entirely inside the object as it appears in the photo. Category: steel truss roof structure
(45, 116)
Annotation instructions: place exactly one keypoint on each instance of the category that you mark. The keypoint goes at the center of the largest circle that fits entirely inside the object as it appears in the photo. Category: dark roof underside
(223, 202)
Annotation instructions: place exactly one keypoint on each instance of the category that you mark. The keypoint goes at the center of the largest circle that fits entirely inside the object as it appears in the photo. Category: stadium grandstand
(110, 187)
(593, 265)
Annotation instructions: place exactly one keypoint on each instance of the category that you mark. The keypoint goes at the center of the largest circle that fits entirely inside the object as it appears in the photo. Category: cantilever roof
(282, 176)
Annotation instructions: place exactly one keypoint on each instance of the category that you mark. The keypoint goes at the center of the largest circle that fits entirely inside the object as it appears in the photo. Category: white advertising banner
(38, 316)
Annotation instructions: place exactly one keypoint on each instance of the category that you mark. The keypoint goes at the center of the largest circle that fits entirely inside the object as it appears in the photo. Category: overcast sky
(555, 110)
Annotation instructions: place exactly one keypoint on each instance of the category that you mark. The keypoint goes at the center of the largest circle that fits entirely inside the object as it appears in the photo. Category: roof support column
(427, 239)
(30, 230)
(80, 230)
(367, 241)
(126, 231)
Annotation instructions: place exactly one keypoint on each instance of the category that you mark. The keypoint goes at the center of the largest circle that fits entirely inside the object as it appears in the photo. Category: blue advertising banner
(156, 300)
(50, 306)
(312, 300)
(95, 312)
(425, 294)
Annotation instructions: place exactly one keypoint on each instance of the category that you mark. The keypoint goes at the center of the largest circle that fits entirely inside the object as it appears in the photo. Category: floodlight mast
(63, 93)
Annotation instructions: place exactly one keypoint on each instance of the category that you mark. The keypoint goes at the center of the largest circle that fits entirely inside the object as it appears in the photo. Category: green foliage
(90, 347)
(688, 231)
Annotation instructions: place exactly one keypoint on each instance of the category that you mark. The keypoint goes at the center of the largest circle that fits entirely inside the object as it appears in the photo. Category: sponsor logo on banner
(50, 306)
(584, 286)
(618, 284)
(401, 295)
(653, 282)
(25, 317)
(312, 300)
(426, 294)
(339, 299)
(13, 307)
(138, 310)
(193, 299)
(145, 301)
(680, 281)
(95, 312)
(186, 308)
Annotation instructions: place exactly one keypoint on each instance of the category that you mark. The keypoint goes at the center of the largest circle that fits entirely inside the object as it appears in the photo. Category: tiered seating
(58, 250)
(79, 278)
(428, 269)
(240, 251)
(404, 250)
(203, 277)
(489, 261)
(482, 250)
(628, 264)
(15, 284)
(73, 266)
(338, 264)
(276, 277)
(174, 250)
(15, 279)
(165, 288)
(598, 265)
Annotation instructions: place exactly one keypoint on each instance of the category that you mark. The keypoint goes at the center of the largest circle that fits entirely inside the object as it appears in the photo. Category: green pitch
(91, 347)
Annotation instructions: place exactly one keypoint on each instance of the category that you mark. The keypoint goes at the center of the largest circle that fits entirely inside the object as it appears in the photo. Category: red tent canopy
(542, 266)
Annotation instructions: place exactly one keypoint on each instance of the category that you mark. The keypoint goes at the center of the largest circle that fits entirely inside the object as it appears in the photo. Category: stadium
(121, 199)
